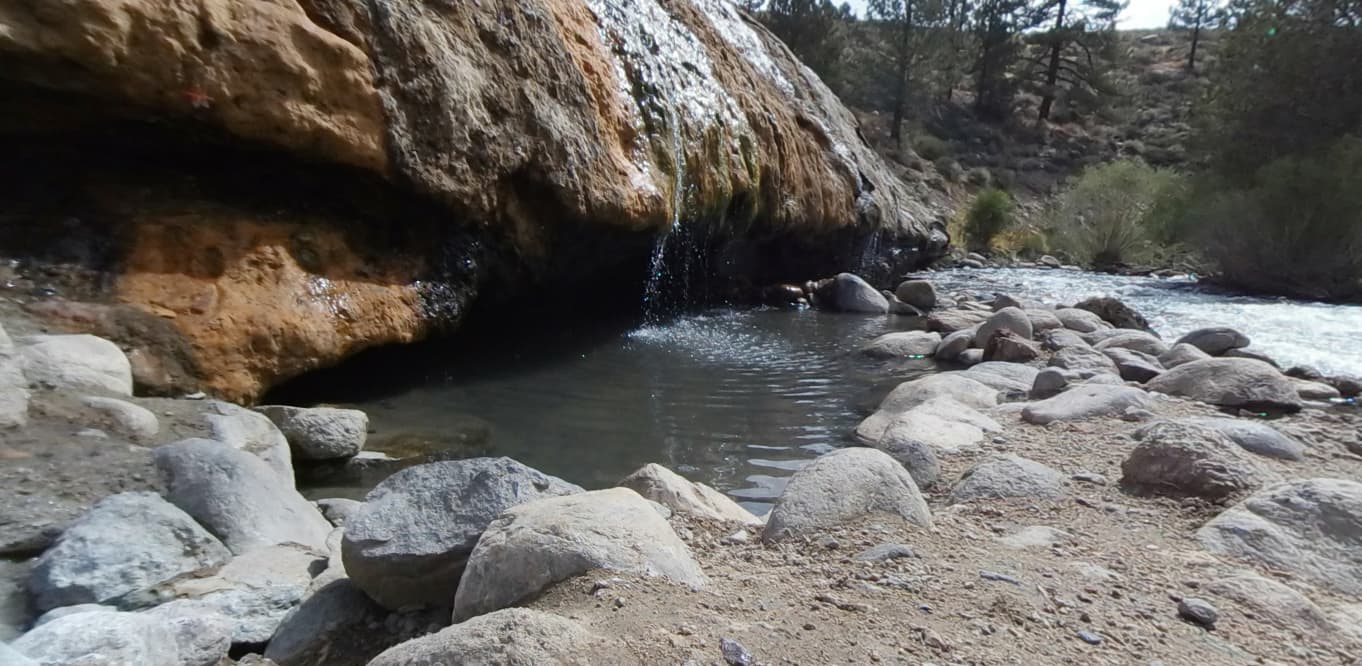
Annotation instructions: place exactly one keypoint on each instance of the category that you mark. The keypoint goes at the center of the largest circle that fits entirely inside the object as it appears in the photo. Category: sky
(1140, 13)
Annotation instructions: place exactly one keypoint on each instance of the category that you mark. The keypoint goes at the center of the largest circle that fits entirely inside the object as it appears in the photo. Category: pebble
(1198, 611)
(1090, 477)
(993, 575)
(884, 552)
(734, 653)
(1090, 637)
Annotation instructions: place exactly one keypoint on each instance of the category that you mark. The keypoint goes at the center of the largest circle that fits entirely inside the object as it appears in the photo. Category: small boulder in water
(1116, 313)
(917, 293)
(906, 344)
(1215, 340)
(849, 293)
(1008, 319)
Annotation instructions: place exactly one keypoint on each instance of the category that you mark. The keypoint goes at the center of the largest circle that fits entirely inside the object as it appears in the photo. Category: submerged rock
(539, 543)
(407, 545)
(845, 485)
(907, 344)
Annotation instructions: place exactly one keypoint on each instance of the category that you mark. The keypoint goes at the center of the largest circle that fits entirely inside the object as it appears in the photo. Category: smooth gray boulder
(1186, 460)
(1057, 339)
(661, 485)
(1254, 437)
(1003, 376)
(75, 362)
(1309, 527)
(124, 543)
(320, 433)
(1006, 346)
(255, 591)
(1137, 340)
(407, 545)
(1113, 311)
(1215, 340)
(953, 385)
(955, 319)
(1230, 382)
(954, 344)
(1179, 354)
(132, 421)
(1050, 382)
(873, 427)
(1086, 401)
(99, 639)
(1082, 321)
(844, 485)
(910, 450)
(1134, 365)
(1308, 390)
(1007, 319)
(917, 293)
(1006, 476)
(1043, 320)
(905, 344)
(252, 432)
(237, 496)
(943, 434)
(1273, 603)
(1083, 359)
(510, 637)
(339, 625)
(203, 636)
(849, 293)
(540, 543)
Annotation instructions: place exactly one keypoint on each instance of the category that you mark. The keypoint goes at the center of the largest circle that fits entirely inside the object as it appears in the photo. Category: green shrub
(949, 169)
(990, 214)
(979, 177)
(1113, 213)
(930, 147)
(1296, 230)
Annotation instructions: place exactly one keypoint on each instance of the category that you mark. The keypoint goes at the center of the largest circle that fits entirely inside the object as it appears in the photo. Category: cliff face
(467, 141)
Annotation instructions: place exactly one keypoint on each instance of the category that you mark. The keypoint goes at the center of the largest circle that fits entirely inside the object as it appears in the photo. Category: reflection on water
(1293, 332)
(737, 399)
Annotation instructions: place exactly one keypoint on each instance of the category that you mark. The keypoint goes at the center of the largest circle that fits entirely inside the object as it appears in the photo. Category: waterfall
(655, 292)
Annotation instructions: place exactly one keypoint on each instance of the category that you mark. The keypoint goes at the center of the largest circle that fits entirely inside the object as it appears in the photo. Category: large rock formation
(274, 185)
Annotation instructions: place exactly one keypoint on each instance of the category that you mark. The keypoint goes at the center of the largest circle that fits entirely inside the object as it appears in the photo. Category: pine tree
(1194, 15)
(1079, 29)
(813, 29)
(910, 32)
(998, 26)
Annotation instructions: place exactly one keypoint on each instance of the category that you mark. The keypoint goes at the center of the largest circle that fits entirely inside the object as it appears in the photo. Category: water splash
(654, 307)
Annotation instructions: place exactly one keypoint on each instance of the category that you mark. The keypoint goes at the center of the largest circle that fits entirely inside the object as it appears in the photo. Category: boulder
(906, 344)
(1116, 313)
(1006, 319)
(870, 430)
(1043, 320)
(237, 496)
(1254, 437)
(1001, 301)
(953, 344)
(1308, 390)
(255, 591)
(911, 450)
(339, 625)
(1006, 476)
(953, 385)
(320, 433)
(955, 319)
(1229, 382)
(917, 293)
(1083, 359)
(124, 543)
(512, 636)
(1137, 340)
(1187, 460)
(252, 432)
(1307, 527)
(675, 492)
(1009, 347)
(849, 293)
(11, 657)
(537, 544)
(1215, 340)
(1135, 366)
(897, 307)
(1059, 338)
(1003, 376)
(943, 434)
(202, 635)
(98, 639)
(1086, 401)
(75, 362)
(1082, 321)
(407, 545)
(132, 421)
(63, 611)
(842, 486)
(1272, 603)
(1179, 354)
(1250, 352)
(970, 357)
(337, 510)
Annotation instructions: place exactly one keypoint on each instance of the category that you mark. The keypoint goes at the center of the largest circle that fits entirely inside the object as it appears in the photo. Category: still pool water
(738, 399)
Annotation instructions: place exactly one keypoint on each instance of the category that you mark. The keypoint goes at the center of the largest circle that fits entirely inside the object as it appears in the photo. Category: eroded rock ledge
(279, 184)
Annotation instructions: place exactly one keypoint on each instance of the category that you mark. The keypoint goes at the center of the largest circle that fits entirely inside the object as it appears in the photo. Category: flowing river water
(738, 399)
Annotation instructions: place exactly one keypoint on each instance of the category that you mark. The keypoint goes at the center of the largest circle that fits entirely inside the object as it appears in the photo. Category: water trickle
(659, 296)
